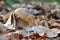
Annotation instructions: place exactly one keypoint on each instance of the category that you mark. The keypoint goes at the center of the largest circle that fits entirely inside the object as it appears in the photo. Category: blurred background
(7, 5)
(11, 2)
